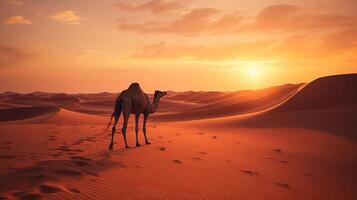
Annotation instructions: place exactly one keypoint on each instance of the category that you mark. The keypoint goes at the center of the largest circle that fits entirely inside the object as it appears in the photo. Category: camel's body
(134, 101)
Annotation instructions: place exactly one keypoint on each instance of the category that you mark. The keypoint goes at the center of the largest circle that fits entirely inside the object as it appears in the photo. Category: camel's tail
(117, 109)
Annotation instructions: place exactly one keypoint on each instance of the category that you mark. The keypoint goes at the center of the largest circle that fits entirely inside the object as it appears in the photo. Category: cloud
(279, 17)
(196, 21)
(67, 17)
(291, 17)
(154, 6)
(15, 2)
(11, 55)
(295, 47)
(17, 20)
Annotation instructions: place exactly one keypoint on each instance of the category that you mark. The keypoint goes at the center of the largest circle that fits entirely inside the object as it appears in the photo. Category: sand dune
(168, 105)
(70, 117)
(236, 104)
(39, 98)
(196, 96)
(266, 144)
(8, 105)
(329, 92)
(328, 104)
(22, 113)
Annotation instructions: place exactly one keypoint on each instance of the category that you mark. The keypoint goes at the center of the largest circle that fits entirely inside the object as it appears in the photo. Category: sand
(245, 155)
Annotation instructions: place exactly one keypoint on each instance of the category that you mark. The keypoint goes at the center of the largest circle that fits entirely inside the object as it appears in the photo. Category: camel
(134, 101)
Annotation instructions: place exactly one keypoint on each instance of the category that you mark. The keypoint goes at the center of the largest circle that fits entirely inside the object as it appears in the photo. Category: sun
(252, 71)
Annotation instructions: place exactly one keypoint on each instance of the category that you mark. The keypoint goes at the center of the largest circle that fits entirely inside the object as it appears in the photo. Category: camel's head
(159, 93)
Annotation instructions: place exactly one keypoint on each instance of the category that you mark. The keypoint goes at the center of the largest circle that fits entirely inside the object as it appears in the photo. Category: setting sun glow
(252, 72)
(94, 46)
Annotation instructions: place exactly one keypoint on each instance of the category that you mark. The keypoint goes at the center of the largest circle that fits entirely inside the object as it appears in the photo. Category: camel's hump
(135, 86)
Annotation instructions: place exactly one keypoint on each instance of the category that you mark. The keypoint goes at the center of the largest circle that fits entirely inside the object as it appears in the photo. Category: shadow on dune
(53, 171)
(12, 114)
(327, 104)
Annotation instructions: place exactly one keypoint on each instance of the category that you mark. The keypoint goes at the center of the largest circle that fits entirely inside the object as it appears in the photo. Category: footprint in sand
(228, 161)
(214, 137)
(196, 158)
(200, 133)
(86, 139)
(162, 149)
(250, 172)
(203, 153)
(177, 161)
(283, 185)
(282, 161)
(278, 150)
(52, 137)
(66, 148)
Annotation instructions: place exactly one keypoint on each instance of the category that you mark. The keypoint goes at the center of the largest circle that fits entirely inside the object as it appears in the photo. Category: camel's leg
(116, 119)
(126, 113)
(137, 128)
(144, 128)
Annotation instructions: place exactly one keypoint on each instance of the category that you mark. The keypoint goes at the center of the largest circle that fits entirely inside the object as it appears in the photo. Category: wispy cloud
(154, 6)
(287, 17)
(196, 21)
(294, 47)
(67, 17)
(279, 17)
(17, 20)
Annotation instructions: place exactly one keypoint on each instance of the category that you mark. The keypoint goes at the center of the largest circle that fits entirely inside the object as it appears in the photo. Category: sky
(228, 45)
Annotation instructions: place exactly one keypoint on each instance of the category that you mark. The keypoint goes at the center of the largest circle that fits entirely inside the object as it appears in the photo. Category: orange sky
(94, 46)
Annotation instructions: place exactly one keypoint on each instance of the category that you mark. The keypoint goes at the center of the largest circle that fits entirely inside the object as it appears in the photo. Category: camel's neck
(155, 104)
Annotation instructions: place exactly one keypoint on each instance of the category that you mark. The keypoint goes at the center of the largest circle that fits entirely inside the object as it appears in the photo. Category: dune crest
(328, 104)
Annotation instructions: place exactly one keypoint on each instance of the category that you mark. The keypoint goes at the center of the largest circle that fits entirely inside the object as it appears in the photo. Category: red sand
(52, 153)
